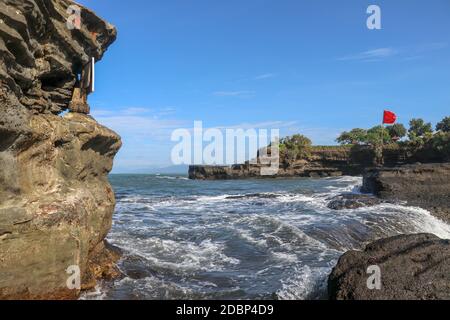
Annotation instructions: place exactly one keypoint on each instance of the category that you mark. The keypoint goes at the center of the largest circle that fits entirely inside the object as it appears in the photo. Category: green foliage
(355, 136)
(378, 135)
(295, 147)
(441, 143)
(396, 131)
(444, 125)
(421, 138)
(282, 148)
(419, 129)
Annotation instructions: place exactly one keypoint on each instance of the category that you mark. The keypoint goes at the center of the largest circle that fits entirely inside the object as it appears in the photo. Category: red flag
(389, 117)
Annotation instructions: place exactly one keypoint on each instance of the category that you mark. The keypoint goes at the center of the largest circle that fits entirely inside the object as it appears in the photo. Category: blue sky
(311, 67)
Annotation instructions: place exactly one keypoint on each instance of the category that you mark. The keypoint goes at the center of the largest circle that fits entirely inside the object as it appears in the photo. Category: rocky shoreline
(412, 267)
(56, 203)
(322, 162)
(422, 185)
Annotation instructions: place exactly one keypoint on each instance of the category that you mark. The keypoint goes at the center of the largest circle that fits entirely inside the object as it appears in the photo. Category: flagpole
(382, 131)
(382, 139)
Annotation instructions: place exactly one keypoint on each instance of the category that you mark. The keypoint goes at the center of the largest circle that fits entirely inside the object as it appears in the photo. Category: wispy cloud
(261, 125)
(405, 53)
(242, 93)
(371, 55)
(265, 76)
(259, 77)
(134, 111)
(422, 50)
(432, 46)
(139, 122)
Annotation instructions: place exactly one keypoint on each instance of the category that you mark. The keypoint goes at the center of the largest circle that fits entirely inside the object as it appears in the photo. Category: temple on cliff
(84, 86)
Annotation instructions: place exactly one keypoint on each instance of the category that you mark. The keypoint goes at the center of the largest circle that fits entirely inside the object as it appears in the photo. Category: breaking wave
(253, 239)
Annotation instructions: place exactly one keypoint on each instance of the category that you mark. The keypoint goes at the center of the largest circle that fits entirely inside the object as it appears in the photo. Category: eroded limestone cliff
(56, 203)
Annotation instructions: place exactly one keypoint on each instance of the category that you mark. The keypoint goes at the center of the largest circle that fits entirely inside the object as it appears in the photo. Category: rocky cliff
(423, 185)
(321, 162)
(56, 204)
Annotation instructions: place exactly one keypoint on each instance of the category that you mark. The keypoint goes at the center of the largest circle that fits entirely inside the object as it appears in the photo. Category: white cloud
(234, 93)
(139, 122)
(371, 55)
(265, 76)
(261, 125)
(408, 52)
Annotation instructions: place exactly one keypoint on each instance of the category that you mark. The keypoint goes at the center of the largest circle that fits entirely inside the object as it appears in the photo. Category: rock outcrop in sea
(411, 267)
(422, 185)
(56, 203)
(322, 162)
(325, 161)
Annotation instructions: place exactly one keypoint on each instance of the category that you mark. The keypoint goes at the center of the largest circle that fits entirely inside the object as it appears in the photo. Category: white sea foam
(180, 256)
(420, 219)
(293, 237)
(171, 177)
(284, 257)
(304, 283)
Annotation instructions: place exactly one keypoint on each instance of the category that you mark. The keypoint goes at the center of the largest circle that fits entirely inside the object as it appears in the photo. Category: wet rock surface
(412, 267)
(423, 185)
(353, 201)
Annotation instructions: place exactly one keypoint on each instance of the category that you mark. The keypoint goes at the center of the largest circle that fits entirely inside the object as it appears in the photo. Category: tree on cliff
(441, 143)
(419, 133)
(295, 147)
(418, 128)
(378, 135)
(396, 131)
(444, 125)
(355, 136)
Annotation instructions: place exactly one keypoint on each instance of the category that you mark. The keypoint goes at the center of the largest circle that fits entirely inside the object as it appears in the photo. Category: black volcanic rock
(353, 201)
(423, 185)
(413, 267)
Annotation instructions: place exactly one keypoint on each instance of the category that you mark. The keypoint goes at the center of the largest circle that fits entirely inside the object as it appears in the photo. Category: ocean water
(249, 239)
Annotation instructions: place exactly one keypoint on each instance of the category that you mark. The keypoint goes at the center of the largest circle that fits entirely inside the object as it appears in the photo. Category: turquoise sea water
(249, 239)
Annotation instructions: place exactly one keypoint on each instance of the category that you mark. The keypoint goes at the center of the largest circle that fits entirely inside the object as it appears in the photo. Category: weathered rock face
(423, 185)
(40, 56)
(56, 203)
(413, 267)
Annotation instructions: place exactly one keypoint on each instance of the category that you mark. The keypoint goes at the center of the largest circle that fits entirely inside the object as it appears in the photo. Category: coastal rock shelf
(56, 203)
(322, 162)
(423, 185)
(412, 267)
